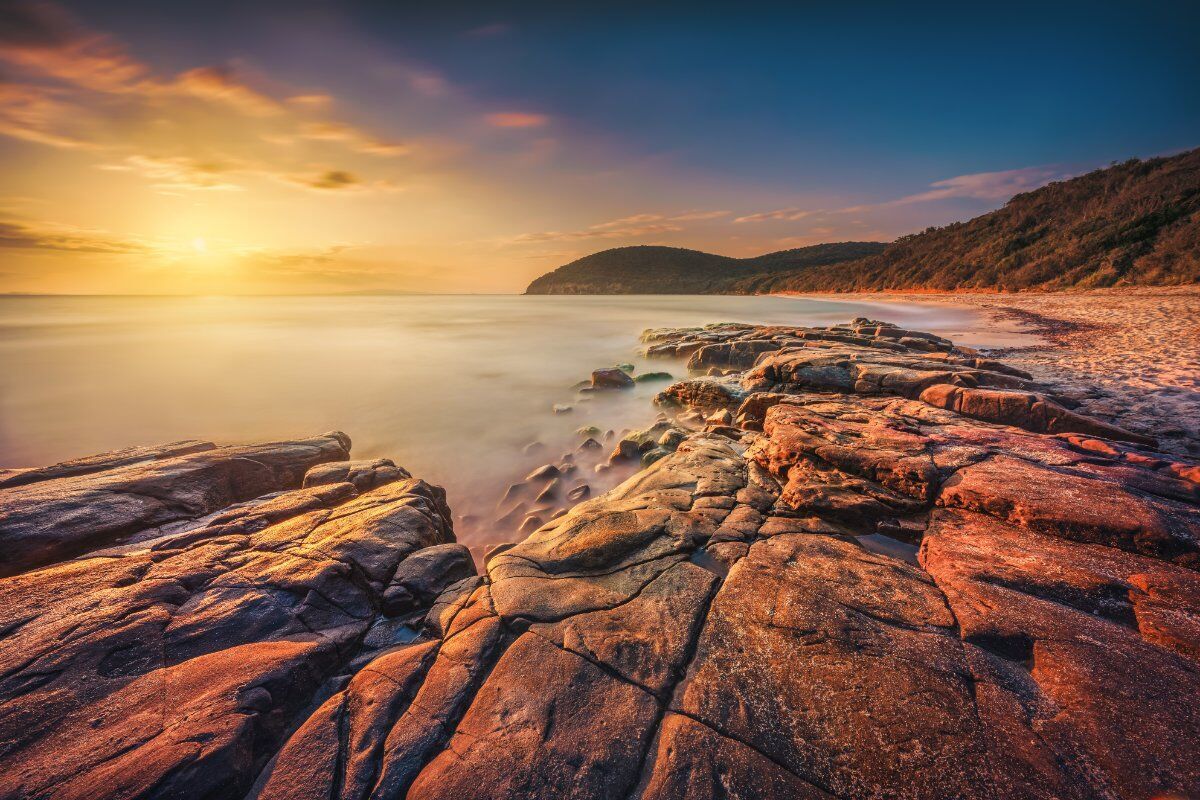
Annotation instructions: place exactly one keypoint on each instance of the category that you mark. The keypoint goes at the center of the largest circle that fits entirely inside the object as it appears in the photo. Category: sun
(199, 245)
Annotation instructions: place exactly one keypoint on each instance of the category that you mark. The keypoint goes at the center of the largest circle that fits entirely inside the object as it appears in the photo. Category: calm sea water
(451, 387)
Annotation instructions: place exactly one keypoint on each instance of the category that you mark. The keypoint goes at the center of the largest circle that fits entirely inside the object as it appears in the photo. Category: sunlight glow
(199, 245)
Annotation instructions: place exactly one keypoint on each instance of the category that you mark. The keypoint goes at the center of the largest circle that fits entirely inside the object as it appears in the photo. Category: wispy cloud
(26, 235)
(979, 186)
(516, 119)
(490, 31)
(175, 173)
(790, 214)
(352, 137)
(631, 227)
(987, 185)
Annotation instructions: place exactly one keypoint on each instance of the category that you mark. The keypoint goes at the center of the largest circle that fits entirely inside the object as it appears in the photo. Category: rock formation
(886, 568)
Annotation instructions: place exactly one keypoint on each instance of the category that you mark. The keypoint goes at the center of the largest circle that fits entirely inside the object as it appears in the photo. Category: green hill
(675, 270)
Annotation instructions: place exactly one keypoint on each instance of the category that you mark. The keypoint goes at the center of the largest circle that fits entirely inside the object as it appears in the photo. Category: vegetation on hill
(1135, 223)
(676, 270)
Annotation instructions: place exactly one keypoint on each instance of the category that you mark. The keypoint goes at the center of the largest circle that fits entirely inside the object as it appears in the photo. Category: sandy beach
(1133, 354)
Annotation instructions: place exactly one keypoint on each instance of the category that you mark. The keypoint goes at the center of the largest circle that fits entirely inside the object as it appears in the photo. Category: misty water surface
(451, 387)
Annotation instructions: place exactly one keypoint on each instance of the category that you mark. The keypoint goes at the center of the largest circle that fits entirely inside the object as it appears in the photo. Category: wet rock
(626, 450)
(589, 444)
(653, 377)
(611, 379)
(562, 408)
(579, 492)
(544, 473)
(48, 520)
(364, 475)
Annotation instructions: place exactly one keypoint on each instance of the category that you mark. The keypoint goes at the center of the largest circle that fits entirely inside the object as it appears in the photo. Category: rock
(243, 624)
(626, 368)
(546, 472)
(421, 577)
(52, 519)
(653, 377)
(562, 408)
(533, 447)
(626, 450)
(589, 444)
(530, 524)
(579, 492)
(550, 492)
(588, 431)
(611, 379)
(365, 475)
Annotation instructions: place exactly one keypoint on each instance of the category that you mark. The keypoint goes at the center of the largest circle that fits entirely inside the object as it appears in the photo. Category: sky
(318, 147)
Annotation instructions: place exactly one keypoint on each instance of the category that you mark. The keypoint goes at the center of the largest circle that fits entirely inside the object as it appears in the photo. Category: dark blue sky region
(844, 96)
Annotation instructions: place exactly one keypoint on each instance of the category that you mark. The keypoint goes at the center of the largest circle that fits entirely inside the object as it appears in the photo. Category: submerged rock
(611, 378)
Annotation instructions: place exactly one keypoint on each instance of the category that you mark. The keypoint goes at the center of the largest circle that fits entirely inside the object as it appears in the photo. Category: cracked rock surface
(894, 569)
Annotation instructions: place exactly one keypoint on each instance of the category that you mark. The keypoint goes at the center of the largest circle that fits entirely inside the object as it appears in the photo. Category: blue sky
(539, 132)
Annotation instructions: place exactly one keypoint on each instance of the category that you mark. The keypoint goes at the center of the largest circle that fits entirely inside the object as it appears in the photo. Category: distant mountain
(1136, 223)
(675, 270)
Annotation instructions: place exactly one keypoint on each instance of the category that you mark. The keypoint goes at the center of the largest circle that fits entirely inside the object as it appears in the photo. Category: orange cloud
(352, 137)
(24, 235)
(516, 119)
(219, 84)
(632, 226)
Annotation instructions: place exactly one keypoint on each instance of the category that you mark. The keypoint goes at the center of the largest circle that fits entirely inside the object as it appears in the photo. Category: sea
(460, 390)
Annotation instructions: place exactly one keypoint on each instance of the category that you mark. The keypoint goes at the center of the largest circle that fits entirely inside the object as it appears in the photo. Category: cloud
(334, 179)
(315, 100)
(489, 31)
(182, 172)
(990, 186)
(633, 226)
(218, 84)
(22, 235)
(987, 185)
(352, 137)
(516, 119)
(790, 214)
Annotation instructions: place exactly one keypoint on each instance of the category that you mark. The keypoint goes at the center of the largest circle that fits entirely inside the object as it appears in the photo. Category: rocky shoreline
(859, 562)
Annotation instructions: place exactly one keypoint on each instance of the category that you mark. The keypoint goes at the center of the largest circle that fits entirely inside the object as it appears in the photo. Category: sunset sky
(296, 147)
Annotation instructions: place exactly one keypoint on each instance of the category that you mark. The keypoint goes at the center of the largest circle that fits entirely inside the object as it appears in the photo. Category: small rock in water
(550, 492)
(545, 472)
(625, 451)
(648, 377)
(568, 468)
(530, 524)
(510, 519)
(562, 408)
(600, 469)
(533, 447)
(514, 492)
(611, 378)
(626, 368)
(590, 444)
(608, 435)
(580, 492)
(588, 431)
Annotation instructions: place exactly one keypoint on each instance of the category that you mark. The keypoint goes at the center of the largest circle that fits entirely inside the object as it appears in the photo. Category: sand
(1131, 356)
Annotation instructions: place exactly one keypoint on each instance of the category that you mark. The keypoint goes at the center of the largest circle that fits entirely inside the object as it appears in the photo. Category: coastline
(1129, 353)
